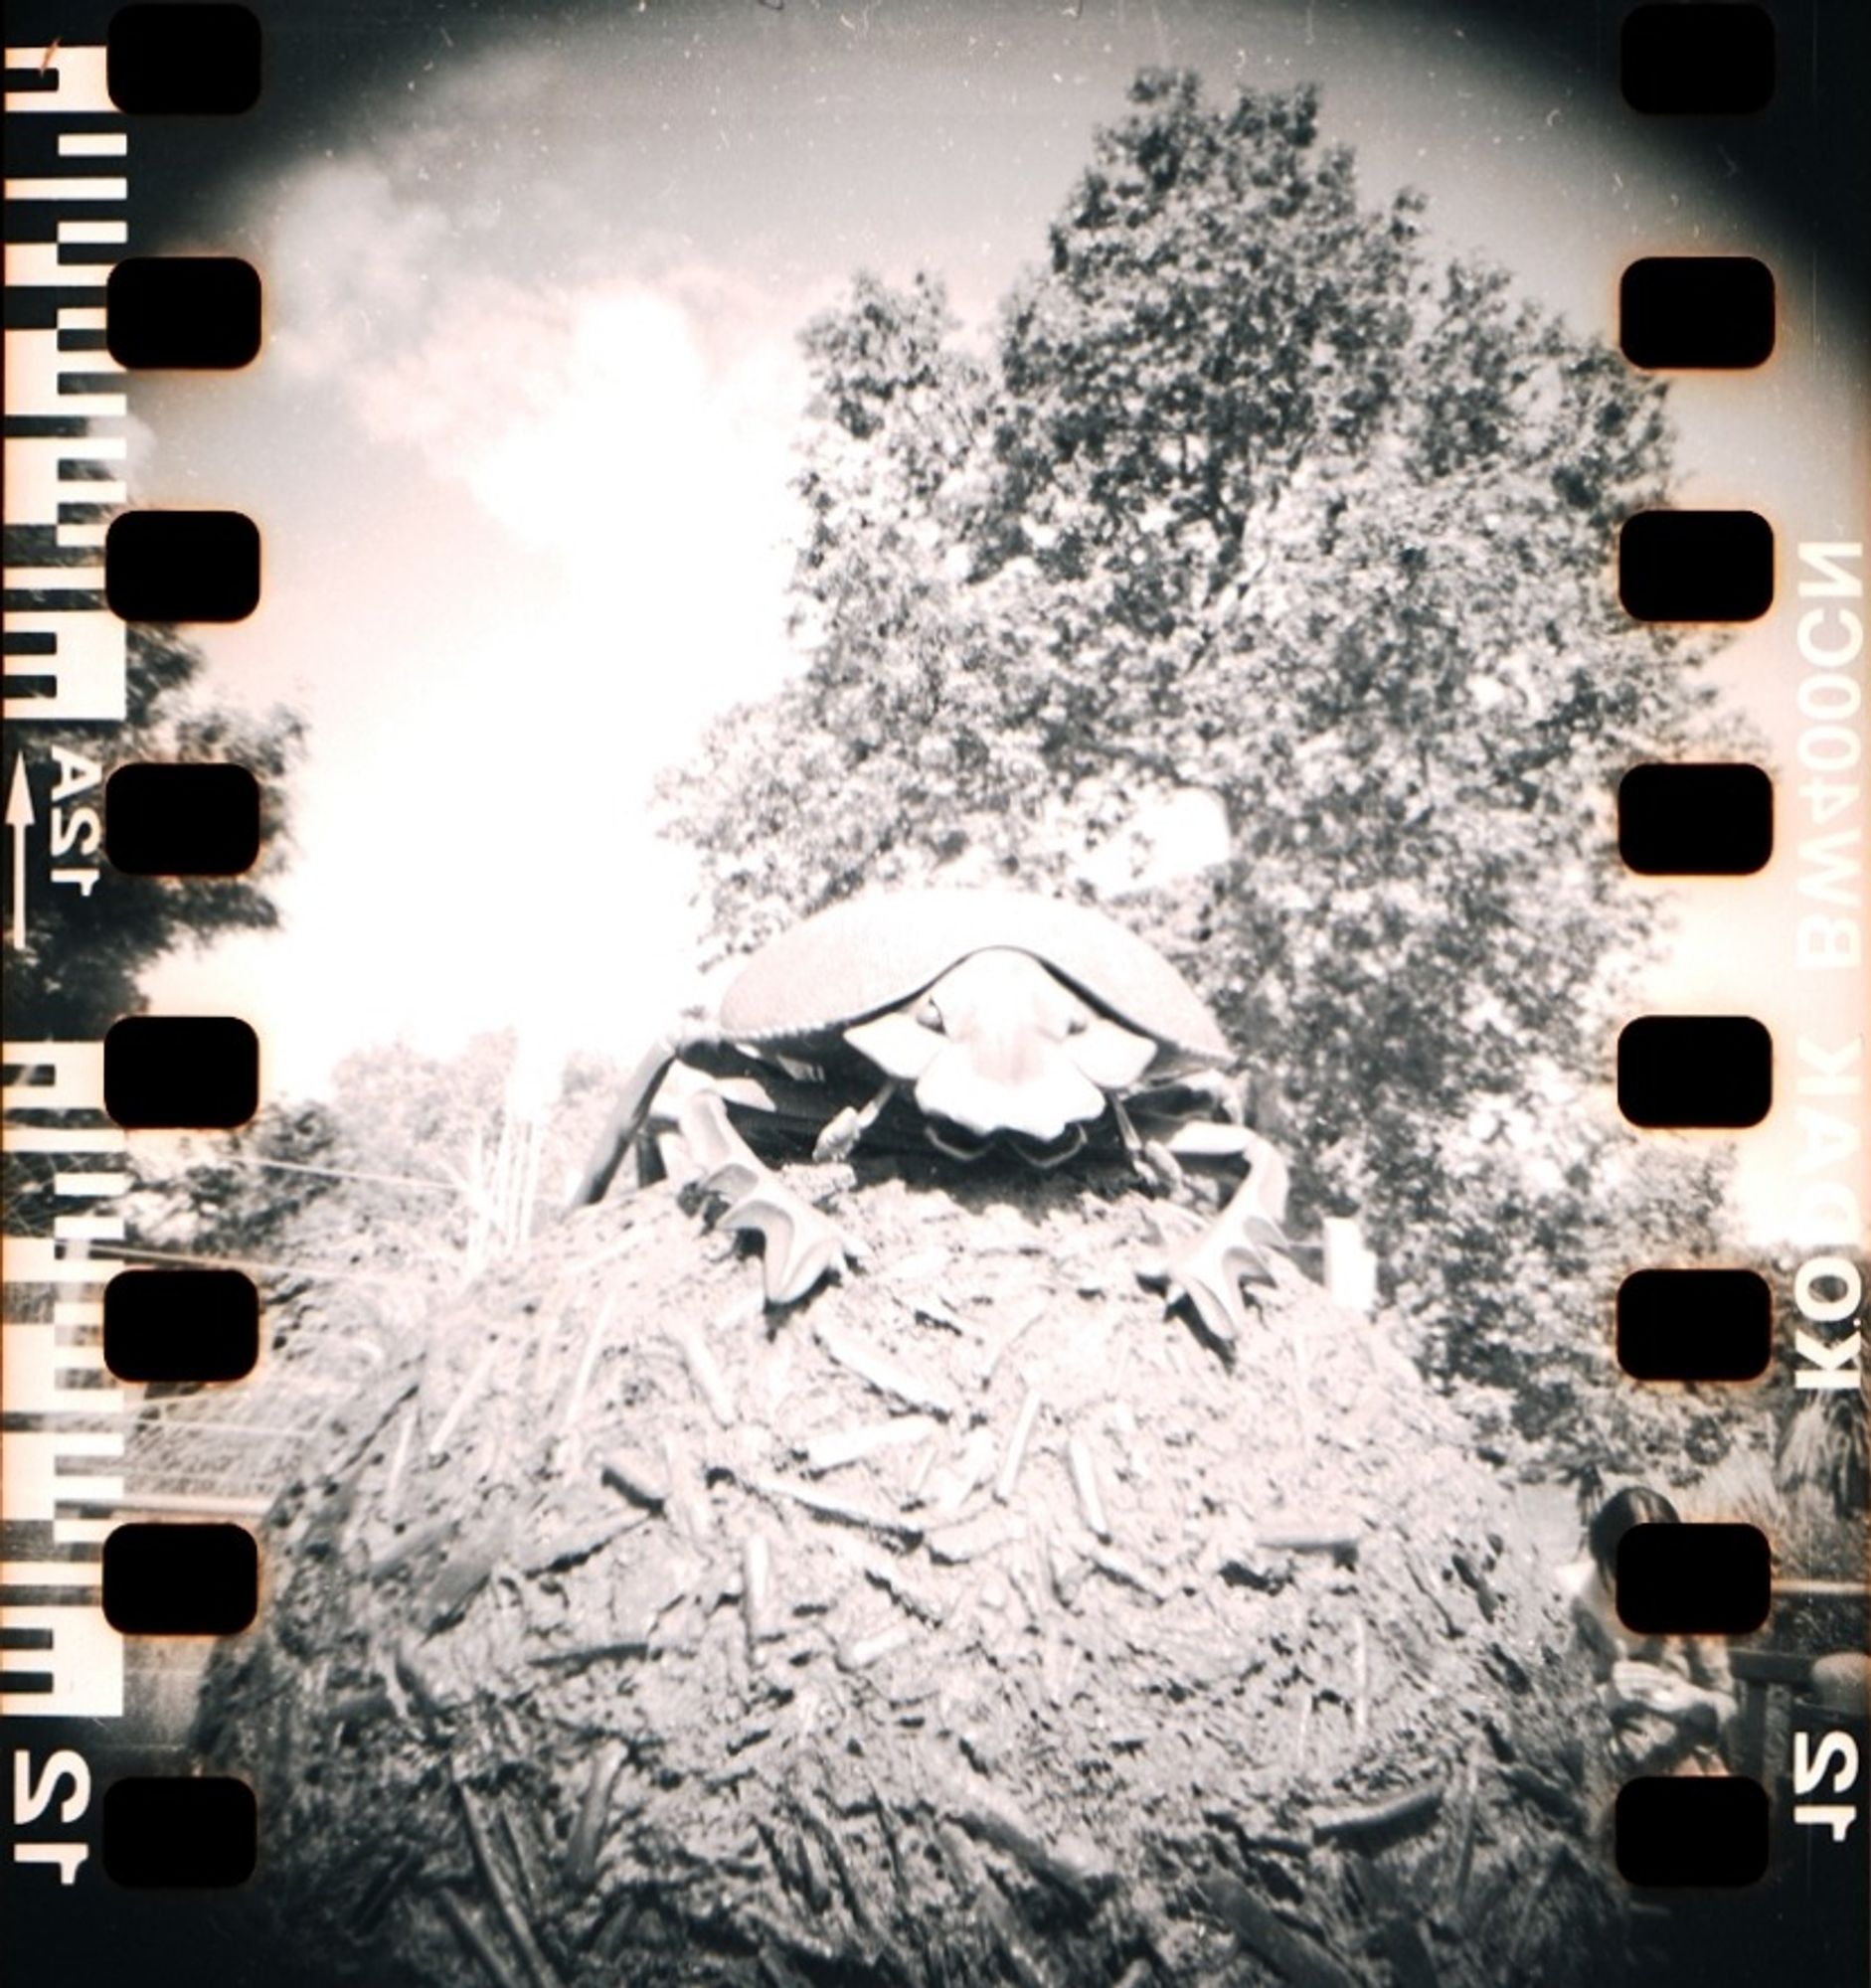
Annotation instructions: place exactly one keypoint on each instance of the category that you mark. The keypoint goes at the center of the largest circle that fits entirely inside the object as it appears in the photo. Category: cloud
(594, 411)
(527, 476)
(349, 263)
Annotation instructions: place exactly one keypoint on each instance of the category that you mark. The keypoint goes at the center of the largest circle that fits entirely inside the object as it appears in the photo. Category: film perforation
(1696, 566)
(173, 1832)
(1681, 313)
(182, 565)
(184, 58)
(1700, 1580)
(1680, 1833)
(181, 1071)
(199, 313)
(180, 1578)
(1695, 820)
(1699, 59)
(180, 1324)
(192, 818)
(1695, 1072)
(1695, 1323)
(1697, 312)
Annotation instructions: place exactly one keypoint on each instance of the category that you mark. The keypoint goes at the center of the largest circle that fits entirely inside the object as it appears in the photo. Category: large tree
(1254, 492)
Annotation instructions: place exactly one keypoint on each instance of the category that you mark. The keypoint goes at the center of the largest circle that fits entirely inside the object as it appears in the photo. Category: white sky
(520, 445)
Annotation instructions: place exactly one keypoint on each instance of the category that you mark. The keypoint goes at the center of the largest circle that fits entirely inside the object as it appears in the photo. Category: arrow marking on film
(19, 818)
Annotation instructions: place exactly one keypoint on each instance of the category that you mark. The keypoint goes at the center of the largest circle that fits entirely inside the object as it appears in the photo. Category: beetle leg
(840, 1137)
(1151, 1158)
(720, 1160)
(628, 1120)
(802, 1247)
(1235, 1245)
(1209, 1090)
(1224, 1094)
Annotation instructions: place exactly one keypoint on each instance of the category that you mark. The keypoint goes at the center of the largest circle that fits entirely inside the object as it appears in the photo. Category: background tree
(408, 1170)
(89, 951)
(1255, 493)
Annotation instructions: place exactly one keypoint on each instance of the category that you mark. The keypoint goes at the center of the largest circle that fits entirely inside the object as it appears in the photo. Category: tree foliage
(89, 950)
(1255, 492)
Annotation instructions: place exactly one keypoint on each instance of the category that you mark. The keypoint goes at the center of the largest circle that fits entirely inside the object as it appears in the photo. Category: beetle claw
(734, 1179)
(1239, 1244)
(1209, 1274)
(838, 1140)
(840, 1134)
(1156, 1163)
(803, 1246)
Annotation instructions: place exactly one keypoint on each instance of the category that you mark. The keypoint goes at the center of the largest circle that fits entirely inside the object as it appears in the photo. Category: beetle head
(1000, 1047)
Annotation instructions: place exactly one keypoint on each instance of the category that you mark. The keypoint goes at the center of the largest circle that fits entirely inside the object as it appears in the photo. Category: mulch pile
(972, 1622)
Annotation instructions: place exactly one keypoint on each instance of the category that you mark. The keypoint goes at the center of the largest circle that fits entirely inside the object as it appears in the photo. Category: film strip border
(202, 1578)
(1679, 1072)
(95, 313)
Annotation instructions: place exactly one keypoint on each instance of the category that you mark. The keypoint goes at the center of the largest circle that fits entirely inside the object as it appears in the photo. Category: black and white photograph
(933, 947)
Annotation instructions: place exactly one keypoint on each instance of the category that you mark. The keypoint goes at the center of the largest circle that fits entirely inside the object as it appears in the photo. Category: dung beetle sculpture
(974, 1020)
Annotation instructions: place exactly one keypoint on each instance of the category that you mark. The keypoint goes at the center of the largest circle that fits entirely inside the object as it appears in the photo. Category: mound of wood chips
(972, 1622)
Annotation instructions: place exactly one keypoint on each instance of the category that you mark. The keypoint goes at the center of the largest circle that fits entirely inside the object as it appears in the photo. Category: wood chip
(413, 1545)
(1462, 1856)
(1016, 1445)
(864, 1908)
(411, 1672)
(863, 1651)
(757, 1592)
(687, 1496)
(588, 1833)
(919, 1467)
(495, 1879)
(918, 1268)
(838, 1447)
(1085, 1483)
(1070, 1862)
(519, 1839)
(1485, 1597)
(1360, 1681)
(465, 1396)
(1126, 1571)
(465, 1573)
(842, 1510)
(705, 1371)
(1294, 1956)
(1418, 1806)
(475, 1941)
(357, 1708)
(878, 1369)
(1429, 1591)
(882, 1570)
(969, 1470)
(1029, 1318)
(393, 1484)
(1340, 1542)
(970, 1539)
(640, 1478)
(571, 1543)
(1066, 1571)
